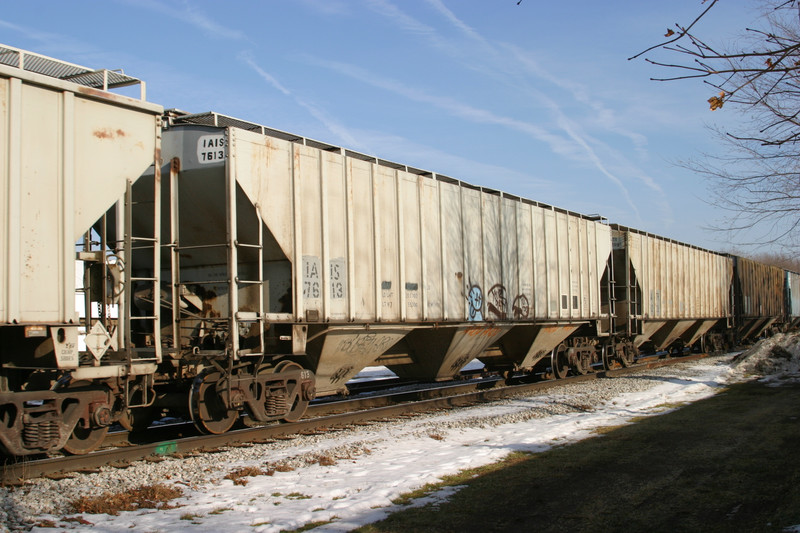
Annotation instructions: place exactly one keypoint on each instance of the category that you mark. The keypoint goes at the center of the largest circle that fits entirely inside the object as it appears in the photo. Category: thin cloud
(497, 62)
(49, 41)
(557, 144)
(194, 16)
(330, 124)
(454, 107)
(412, 25)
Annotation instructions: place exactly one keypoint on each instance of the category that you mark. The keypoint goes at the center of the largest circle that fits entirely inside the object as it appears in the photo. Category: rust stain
(105, 133)
(108, 133)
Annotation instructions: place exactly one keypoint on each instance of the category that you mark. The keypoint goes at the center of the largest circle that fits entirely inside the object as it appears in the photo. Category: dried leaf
(769, 62)
(669, 33)
(716, 101)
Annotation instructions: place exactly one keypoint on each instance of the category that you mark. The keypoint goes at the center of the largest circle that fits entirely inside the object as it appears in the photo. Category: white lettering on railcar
(211, 148)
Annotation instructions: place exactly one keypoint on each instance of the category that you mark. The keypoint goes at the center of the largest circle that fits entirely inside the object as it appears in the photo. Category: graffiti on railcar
(341, 374)
(521, 308)
(460, 363)
(474, 303)
(496, 302)
(368, 343)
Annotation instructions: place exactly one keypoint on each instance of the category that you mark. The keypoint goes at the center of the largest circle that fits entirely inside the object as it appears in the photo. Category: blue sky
(537, 99)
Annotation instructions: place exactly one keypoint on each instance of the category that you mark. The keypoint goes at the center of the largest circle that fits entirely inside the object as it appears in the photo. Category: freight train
(229, 271)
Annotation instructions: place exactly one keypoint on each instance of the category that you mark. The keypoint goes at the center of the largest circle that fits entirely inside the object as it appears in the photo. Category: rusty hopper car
(792, 299)
(322, 259)
(759, 297)
(667, 293)
(70, 151)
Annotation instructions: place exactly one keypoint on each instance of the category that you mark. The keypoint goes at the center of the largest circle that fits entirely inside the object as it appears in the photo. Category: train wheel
(208, 410)
(85, 440)
(297, 404)
(604, 354)
(137, 418)
(559, 362)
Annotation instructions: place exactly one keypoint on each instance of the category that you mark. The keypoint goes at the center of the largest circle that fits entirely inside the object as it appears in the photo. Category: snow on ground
(366, 468)
(774, 359)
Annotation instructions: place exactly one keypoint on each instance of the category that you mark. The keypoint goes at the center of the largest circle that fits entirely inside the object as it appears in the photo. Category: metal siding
(573, 266)
(335, 224)
(659, 265)
(112, 145)
(386, 219)
(793, 283)
(510, 253)
(762, 289)
(411, 252)
(523, 304)
(552, 273)
(5, 132)
(308, 209)
(492, 251)
(40, 213)
(435, 248)
(541, 300)
(602, 257)
(473, 255)
(431, 230)
(591, 281)
(365, 283)
(264, 171)
(66, 158)
(456, 283)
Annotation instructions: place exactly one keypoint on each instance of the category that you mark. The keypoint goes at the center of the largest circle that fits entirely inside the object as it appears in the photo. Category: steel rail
(324, 416)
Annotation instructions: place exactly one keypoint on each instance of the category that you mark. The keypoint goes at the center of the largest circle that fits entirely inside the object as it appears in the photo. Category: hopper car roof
(619, 227)
(210, 118)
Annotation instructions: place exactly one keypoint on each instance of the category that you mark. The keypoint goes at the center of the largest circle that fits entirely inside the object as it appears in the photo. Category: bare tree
(757, 180)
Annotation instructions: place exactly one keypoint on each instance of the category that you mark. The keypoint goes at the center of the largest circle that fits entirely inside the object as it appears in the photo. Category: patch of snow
(774, 360)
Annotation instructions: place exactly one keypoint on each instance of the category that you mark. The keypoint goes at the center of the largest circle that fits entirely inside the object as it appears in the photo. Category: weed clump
(146, 497)
(239, 475)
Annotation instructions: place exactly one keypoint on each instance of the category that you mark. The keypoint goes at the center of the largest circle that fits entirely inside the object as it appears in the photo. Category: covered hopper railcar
(668, 294)
(759, 297)
(70, 153)
(223, 268)
(289, 256)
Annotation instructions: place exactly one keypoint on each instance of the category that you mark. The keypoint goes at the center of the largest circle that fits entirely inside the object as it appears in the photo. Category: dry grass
(326, 460)
(727, 463)
(239, 475)
(77, 519)
(147, 497)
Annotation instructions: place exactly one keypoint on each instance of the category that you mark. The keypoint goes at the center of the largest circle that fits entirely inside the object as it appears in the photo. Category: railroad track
(321, 418)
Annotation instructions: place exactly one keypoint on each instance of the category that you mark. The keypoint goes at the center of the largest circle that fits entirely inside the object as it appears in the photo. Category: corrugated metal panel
(793, 286)
(417, 248)
(677, 281)
(66, 158)
(760, 289)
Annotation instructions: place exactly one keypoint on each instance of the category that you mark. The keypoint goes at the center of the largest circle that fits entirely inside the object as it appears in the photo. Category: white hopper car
(227, 269)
